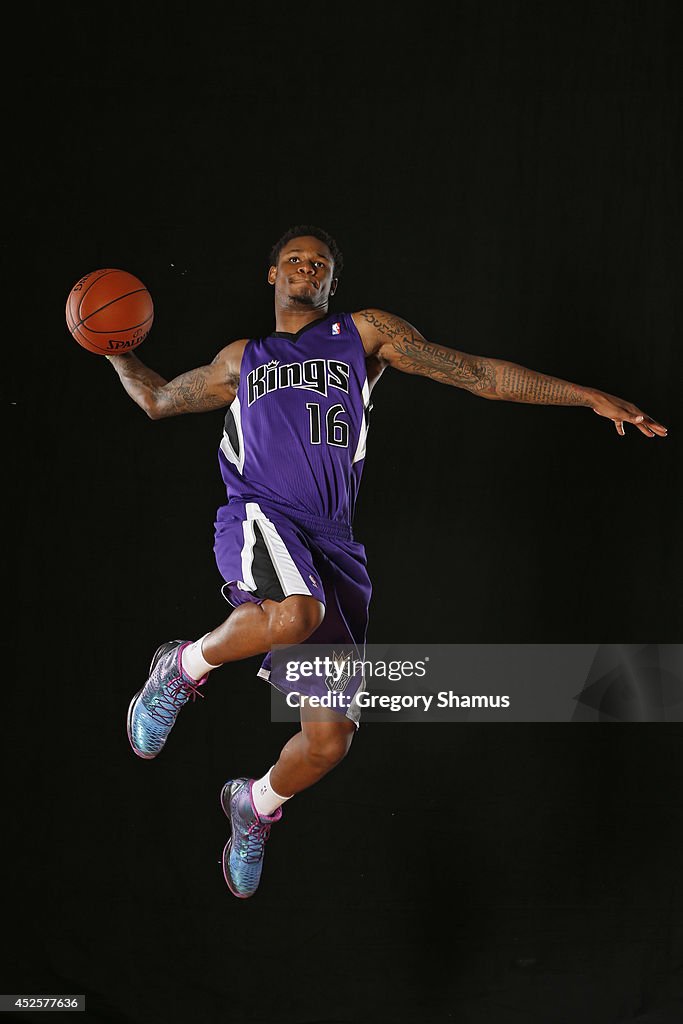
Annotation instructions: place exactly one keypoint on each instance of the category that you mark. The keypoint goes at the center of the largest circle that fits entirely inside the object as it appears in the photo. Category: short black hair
(309, 229)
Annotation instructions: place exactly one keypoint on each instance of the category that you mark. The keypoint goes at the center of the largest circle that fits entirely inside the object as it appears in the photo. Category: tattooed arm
(208, 387)
(394, 342)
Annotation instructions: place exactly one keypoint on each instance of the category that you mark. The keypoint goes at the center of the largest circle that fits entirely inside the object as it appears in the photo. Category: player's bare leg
(311, 753)
(253, 806)
(180, 668)
(255, 628)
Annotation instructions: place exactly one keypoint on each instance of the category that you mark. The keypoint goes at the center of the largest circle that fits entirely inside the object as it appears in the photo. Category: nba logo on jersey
(336, 327)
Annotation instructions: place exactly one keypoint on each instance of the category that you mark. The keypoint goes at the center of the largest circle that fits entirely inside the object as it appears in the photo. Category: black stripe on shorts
(262, 569)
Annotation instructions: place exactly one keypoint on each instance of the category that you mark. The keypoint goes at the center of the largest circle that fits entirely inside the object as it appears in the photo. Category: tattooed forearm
(517, 384)
(444, 364)
(194, 391)
(490, 378)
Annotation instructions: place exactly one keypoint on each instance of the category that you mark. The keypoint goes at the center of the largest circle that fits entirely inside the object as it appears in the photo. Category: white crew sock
(266, 800)
(194, 662)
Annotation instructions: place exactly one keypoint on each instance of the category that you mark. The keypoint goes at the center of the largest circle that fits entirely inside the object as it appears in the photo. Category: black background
(506, 176)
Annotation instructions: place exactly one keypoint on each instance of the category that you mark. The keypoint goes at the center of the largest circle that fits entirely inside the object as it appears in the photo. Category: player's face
(304, 274)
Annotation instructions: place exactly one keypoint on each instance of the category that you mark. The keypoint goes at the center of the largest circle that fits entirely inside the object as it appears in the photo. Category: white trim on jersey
(226, 447)
(291, 580)
(363, 433)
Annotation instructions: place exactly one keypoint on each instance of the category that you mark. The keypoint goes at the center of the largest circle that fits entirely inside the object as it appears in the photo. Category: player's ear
(333, 286)
(271, 275)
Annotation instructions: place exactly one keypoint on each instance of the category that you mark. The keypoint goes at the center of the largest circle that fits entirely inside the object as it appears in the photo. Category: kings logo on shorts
(341, 671)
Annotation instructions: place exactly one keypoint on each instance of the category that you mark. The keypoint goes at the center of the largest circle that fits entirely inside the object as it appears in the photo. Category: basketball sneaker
(154, 709)
(244, 850)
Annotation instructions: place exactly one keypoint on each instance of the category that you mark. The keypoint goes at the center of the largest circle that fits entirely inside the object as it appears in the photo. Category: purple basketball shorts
(265, 551)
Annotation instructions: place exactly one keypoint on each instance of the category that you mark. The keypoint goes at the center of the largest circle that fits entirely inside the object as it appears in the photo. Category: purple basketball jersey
(295, 434)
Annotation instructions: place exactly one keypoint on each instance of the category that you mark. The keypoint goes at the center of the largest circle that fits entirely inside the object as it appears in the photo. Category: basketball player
(291, 456)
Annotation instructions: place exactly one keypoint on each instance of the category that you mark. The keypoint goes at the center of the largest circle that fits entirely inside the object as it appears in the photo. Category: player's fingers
(620, 427)
(646, 425)
(656, 427)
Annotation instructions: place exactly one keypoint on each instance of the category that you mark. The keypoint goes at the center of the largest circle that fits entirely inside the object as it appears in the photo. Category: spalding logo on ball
(109, 311)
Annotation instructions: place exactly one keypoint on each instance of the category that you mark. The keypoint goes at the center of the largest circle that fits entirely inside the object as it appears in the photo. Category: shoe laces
(257, 834)
(173, 697)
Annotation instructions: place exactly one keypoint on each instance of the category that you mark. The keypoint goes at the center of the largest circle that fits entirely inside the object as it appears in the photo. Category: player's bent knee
(295, 619)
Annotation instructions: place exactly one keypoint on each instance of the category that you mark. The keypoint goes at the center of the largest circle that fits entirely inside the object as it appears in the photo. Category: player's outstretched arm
(200, 390)
(397, 343)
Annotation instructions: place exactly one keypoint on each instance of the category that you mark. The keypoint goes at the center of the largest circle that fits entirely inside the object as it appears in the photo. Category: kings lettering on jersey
(312, 375)
(295, 434)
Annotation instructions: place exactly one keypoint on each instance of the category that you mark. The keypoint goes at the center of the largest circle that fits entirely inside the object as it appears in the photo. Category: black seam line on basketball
(77, 332)
(98, 278)
(80, 301)
(117, 299)
(123, 330)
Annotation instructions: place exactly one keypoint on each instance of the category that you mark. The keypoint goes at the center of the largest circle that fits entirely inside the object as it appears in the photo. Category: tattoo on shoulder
(385, 323)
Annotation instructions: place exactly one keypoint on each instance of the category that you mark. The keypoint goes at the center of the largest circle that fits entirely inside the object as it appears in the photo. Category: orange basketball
(109, 311)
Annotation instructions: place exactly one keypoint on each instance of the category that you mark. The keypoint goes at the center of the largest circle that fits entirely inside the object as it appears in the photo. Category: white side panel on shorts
(248, 554)
(362, 436)
(227, 449)
(291, 580)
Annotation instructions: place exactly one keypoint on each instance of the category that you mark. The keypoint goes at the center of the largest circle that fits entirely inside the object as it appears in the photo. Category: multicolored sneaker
(154, 709)
(243, 852)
